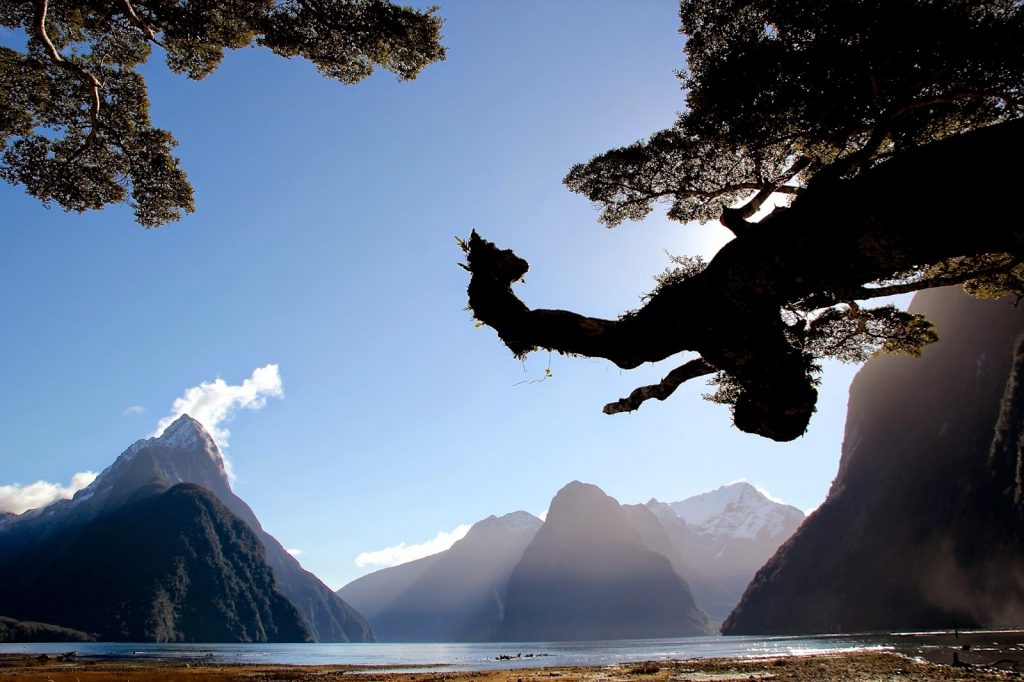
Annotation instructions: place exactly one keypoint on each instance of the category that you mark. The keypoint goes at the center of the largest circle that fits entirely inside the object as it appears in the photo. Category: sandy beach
(826, 668)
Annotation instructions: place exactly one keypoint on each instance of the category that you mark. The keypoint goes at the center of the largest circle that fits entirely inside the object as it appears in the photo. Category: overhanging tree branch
(939, 280)
(736, 219)
(662, 389)
(836, 236)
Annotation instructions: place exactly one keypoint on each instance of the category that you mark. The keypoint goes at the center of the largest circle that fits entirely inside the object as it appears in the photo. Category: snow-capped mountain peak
(183, 453)
(185, 431)
(738, 510)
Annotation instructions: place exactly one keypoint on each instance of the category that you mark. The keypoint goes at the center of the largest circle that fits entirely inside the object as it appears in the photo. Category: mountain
(662, 531)
(587, 575)
(185, 453)
(457, 595)
(171, 565)
(17, 631)
(922, 527)
(733, 531)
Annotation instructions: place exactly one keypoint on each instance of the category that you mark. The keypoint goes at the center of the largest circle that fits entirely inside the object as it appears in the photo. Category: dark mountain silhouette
(185, 453)
(922, 525)
(457, 595)
(588, 575)
(170, 565)
(30, 631)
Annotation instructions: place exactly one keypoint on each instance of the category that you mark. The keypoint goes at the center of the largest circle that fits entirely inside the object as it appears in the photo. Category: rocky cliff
(922, 525)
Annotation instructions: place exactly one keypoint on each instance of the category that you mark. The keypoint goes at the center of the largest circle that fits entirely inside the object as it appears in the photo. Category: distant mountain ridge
(465, 593)
(588, 575)
(185, 453)
(457, 595)
(732, 532)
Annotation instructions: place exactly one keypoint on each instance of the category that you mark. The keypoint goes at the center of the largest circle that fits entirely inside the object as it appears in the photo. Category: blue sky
(323, 242)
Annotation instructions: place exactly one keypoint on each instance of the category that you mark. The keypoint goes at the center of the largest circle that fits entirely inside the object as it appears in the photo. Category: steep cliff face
(172, 565)
(922, 526)
(588, 575)
(185, 453)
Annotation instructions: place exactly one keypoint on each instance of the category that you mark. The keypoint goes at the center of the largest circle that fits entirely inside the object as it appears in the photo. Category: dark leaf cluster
(884, 125)
(837, 86)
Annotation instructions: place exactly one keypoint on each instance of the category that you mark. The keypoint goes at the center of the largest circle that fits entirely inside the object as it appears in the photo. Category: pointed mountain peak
(663, 510)
(185, 431)
(700, 508)
(584, 508)
(183, 453)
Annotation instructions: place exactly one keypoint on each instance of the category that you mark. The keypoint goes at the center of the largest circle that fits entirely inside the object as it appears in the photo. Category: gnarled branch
(836, 236)
(941, 280)
(662, 389)
(736, 219)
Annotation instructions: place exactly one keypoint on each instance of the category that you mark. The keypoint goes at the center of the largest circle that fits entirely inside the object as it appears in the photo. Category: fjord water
(469, 656)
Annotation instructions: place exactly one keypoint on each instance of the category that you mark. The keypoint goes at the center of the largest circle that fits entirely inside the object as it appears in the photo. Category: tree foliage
(880, 124)
(74, 110)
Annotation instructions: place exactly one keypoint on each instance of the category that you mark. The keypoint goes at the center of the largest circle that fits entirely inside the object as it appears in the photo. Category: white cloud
(294, 552)
(134, 409)
(19, 498)
(212, 403)
(543, 516)
(402, 553)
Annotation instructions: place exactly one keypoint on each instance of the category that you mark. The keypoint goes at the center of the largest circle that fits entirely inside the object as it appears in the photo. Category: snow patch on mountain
(662, 510)
(738, 510)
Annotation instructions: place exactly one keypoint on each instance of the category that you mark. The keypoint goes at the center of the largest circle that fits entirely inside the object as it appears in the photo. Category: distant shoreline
(826, 667)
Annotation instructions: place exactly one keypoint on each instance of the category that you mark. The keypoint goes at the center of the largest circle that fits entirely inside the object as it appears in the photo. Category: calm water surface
(469, 656)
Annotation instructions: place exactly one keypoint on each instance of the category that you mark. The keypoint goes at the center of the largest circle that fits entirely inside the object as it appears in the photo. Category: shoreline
(823, 667)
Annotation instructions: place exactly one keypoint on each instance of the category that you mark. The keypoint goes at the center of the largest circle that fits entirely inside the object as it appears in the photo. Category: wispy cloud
(18, 498)
(543, 516)
(402, 552)
(212, 403)
(134, 409)
(294, 552)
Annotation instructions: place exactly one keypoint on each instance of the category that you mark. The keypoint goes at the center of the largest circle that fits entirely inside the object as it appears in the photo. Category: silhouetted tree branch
(913, 211)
